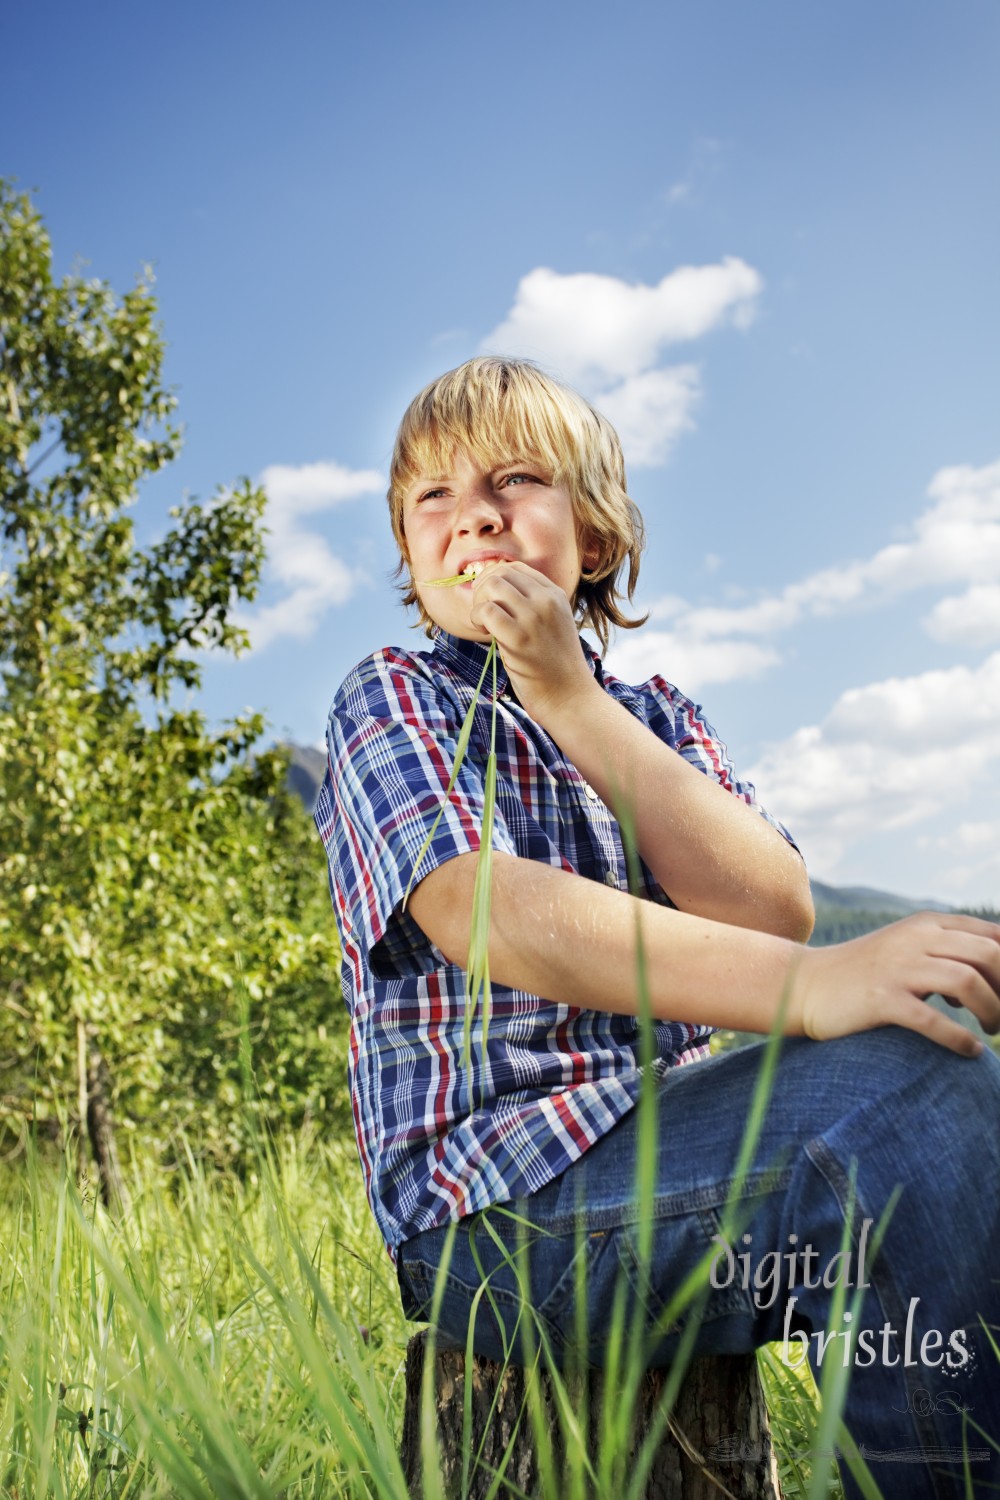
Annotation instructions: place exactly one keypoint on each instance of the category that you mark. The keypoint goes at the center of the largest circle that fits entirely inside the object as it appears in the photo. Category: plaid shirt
(439, 1141)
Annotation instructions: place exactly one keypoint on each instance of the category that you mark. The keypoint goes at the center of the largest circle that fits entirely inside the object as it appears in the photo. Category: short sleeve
(682, 724)
(392, 740)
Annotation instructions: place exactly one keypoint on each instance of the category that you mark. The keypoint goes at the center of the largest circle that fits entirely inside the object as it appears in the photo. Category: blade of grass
(449, 583)
(461, 746)
(478, 967)
(842, 1321)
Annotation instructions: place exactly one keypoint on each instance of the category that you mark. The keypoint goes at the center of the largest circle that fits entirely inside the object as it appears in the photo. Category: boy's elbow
(798, 916)
(441, 906)
(784, 908)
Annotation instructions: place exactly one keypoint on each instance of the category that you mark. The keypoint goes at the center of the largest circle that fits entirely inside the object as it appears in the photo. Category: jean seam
(667, 1206)
(465, 1291)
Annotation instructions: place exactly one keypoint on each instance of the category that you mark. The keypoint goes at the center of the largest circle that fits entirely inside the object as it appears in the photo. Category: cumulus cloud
(609, 336)
(888, 755)
(692, 664)
(955, 540)
(300, 489)
(595, 328)
(895, 754)
(969, 619)
(650, 411)
(299, 559)
(969, 858)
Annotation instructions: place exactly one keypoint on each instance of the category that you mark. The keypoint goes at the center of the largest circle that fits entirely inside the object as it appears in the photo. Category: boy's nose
(478, 511)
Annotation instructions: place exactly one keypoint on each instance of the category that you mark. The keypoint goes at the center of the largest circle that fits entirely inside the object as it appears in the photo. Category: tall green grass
(244, 1338)
(232, 1338)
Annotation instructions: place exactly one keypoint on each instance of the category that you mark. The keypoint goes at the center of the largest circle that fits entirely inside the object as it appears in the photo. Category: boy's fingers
(919, 1016)
(514, 581)
(974, 962)
(962, 982)
(980, 925)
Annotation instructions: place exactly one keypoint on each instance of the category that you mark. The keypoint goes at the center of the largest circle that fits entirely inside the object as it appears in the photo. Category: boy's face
(469, 515)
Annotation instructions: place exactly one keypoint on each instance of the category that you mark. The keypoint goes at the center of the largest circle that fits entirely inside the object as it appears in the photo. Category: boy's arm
(711, 853)
(572, 941)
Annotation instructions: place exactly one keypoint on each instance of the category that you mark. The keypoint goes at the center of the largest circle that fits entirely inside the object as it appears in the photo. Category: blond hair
(503, 411)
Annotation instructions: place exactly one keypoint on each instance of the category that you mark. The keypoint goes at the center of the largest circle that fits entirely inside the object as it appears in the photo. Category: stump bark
(717, 1443)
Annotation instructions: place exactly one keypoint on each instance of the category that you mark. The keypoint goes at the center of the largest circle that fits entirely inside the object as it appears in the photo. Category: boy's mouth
(475, 564)
(468, 573)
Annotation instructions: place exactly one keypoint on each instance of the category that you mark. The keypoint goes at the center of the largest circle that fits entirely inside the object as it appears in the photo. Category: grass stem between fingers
(477, 982)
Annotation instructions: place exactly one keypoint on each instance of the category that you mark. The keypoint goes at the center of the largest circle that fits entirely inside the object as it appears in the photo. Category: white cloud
(300, 489)
(888, 755)
(955, 540)
(635, 657)
(608, 337)
(969, 619)
(300, 611)
(976, 847)
(650, 411)
(596, 328)
(298, 557)
(971, 837)
(896, 755)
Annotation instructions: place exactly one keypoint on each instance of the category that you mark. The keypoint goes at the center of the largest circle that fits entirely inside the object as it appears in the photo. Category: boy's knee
(930, 1115)
(895, 1060)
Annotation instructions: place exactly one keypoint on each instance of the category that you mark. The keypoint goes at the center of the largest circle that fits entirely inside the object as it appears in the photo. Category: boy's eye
(519, 479)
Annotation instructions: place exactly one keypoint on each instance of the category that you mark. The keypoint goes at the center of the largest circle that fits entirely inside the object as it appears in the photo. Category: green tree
(126, 821)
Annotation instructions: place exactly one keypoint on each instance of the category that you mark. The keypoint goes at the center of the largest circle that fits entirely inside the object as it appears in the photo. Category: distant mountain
(864, 898)
(306, 770)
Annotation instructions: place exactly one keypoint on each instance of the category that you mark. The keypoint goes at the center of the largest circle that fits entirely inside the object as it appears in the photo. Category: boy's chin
(468, 633)
(463, 631)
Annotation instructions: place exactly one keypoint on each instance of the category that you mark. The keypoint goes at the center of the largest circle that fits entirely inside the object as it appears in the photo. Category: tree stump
(717, 1443)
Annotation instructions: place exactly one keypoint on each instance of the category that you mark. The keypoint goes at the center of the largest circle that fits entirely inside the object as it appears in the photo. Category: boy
(501, 473)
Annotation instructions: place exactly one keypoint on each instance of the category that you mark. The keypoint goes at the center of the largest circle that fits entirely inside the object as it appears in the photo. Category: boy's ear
(591, 554)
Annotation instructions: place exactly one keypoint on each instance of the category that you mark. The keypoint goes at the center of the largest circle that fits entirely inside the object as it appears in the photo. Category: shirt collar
(467, 659)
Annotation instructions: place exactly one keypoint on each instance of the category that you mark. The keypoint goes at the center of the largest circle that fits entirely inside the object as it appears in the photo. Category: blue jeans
(910, 1116)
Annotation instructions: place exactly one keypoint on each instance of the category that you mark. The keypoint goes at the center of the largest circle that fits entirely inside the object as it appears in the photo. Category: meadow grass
(233, 1338)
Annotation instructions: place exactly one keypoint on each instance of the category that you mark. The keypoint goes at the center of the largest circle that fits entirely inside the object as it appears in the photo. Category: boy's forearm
(574, 942)
(712, 854)
(570, 940)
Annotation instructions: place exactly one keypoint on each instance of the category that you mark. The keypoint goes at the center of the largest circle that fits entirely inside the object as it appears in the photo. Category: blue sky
(342, 201)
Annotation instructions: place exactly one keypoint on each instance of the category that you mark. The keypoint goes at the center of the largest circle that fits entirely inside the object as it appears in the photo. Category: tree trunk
(82, 1096)
(100, 1129)
(717, 1441)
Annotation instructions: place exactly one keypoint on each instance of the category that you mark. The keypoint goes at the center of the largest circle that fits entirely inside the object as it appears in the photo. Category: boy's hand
(883, 978)
(532, 621)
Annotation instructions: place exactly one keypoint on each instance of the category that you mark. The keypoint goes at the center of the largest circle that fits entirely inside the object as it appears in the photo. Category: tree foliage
(151, 871)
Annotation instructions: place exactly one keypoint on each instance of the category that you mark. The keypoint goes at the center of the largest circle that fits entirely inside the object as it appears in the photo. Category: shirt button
(611, 878)
(594, 797)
